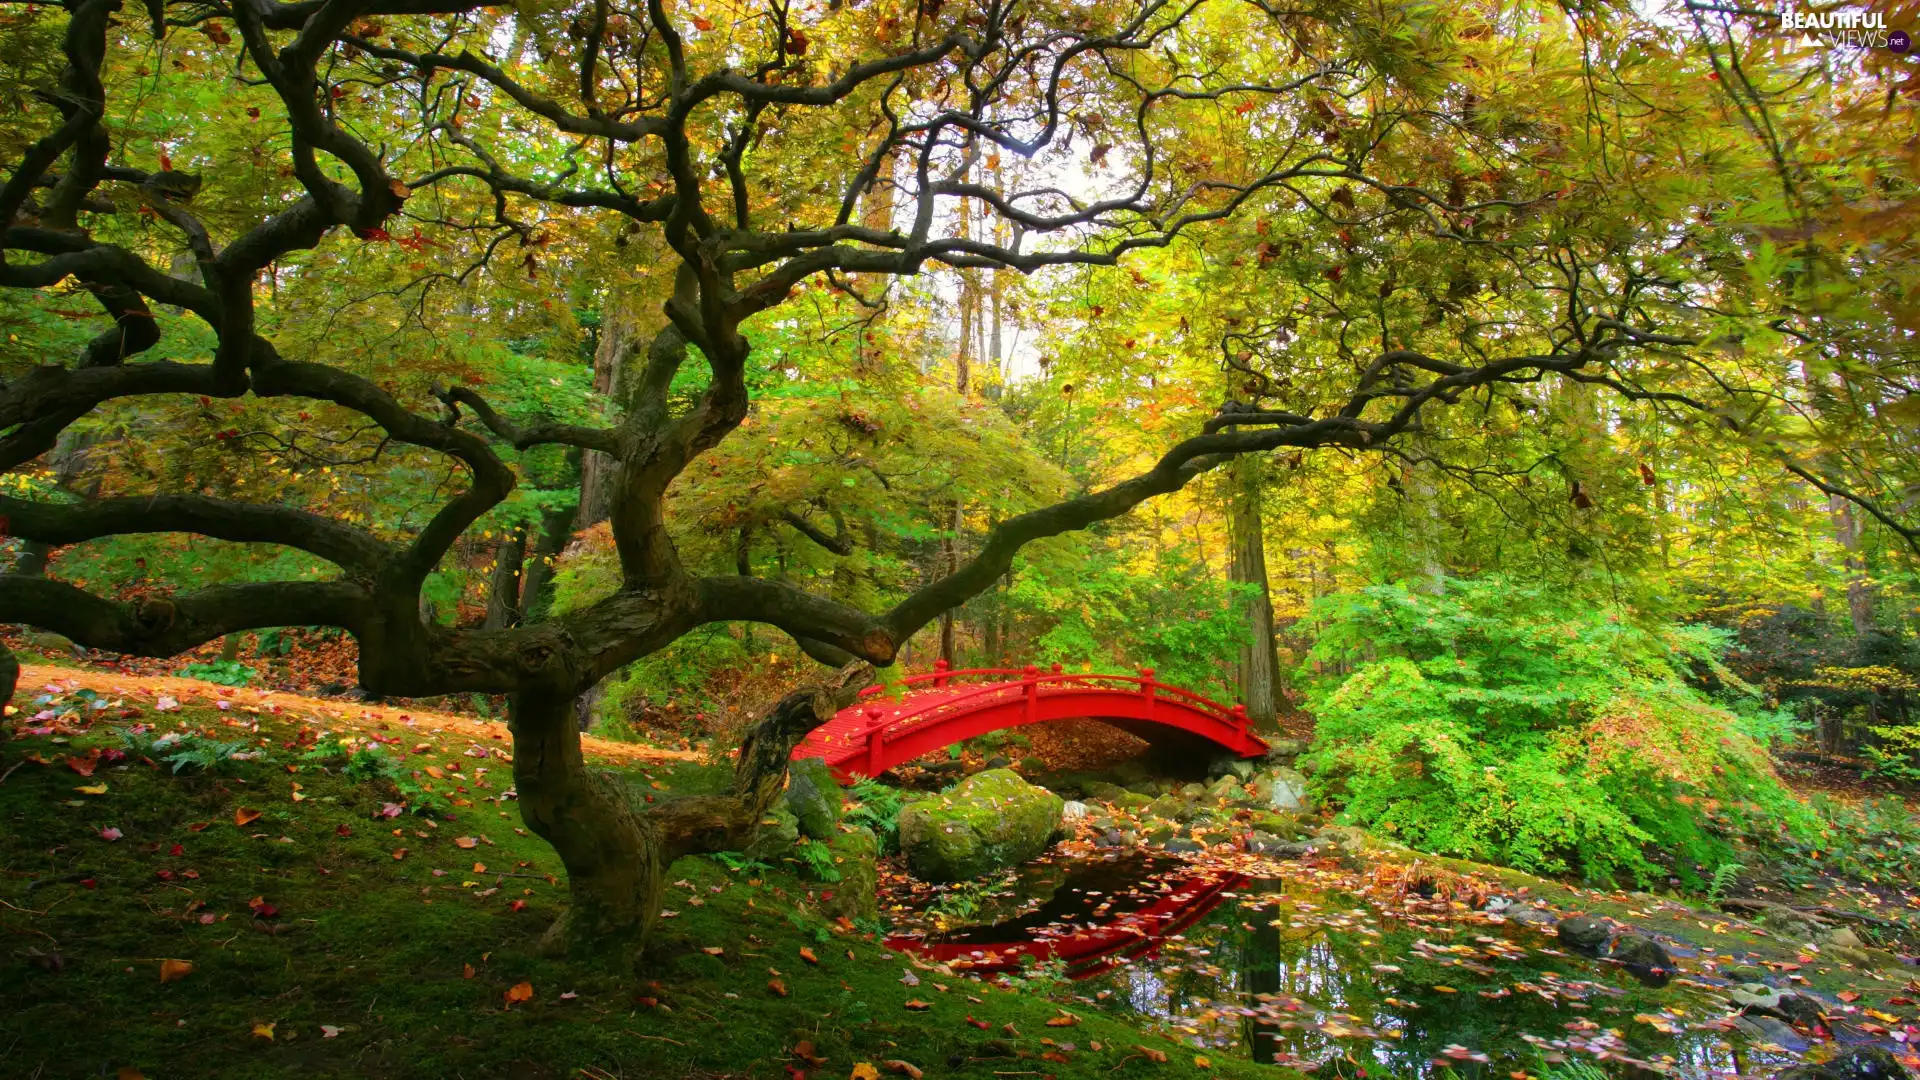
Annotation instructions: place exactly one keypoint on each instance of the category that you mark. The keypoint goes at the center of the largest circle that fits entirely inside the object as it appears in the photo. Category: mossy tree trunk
(617, 851)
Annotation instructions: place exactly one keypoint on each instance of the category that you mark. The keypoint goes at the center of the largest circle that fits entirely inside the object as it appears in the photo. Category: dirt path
(40, 678)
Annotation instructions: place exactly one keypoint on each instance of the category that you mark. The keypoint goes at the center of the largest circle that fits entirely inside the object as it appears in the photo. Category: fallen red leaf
(807, 955)
(779, 988)
(175, 969)
(519, 992)
(981, 1024)
(245, 815)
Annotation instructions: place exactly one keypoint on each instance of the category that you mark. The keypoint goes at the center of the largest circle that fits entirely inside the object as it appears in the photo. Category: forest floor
(272, 917)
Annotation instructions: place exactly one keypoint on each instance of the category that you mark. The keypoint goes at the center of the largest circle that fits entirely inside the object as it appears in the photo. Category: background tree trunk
(503, 590)
(1258, 666)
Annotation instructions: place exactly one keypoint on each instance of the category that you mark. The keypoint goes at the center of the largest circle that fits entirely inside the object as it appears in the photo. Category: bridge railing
(1029, 681)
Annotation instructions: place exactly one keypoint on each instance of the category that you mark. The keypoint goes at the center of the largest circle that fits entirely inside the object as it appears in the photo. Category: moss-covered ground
(266, 918)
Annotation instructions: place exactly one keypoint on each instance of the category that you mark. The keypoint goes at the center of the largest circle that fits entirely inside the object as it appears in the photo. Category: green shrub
(223, 672)
(1503, 724)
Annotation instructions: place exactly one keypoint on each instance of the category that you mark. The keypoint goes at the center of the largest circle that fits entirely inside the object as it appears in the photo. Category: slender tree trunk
(1847, 530)
(556, 527)
(503, 589)
(1258, 666)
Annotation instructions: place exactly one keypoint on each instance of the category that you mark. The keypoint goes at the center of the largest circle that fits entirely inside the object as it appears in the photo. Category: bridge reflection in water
(1090, 916)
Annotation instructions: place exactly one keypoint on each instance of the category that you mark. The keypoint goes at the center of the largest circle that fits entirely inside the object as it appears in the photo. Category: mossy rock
(1132, 801)
(1282, 825)
(779, 829)
(1169, 808)
(814, 797)
(990, 820)
(1105, 792)
(856, 855)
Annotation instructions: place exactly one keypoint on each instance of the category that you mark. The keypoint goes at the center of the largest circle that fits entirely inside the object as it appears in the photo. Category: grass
(327, 939)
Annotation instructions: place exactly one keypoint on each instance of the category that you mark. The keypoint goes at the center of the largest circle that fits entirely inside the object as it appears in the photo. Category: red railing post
(940, 673)
(1240, 718)
(1030, 689)
(874, 733)
(1146, 688)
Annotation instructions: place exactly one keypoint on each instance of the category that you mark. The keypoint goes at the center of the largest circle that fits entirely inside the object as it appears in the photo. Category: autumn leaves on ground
(204, 882)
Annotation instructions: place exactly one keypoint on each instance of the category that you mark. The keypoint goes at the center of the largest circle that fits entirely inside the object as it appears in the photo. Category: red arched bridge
(943, 707)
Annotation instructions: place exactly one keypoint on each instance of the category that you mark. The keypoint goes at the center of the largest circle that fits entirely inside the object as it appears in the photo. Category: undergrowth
(1510, 725)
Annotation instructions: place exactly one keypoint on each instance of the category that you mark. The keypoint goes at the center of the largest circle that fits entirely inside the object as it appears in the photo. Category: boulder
(1227, 787)
(1286, 790)
(778, 832)
(1105, 792)
(1072, 811)
(856, 855)
(1225, 765)
(987, 821)
(1283, 751)
(1180, 845)
(1580, 932)
(1133, 802)
(1532, 916)
(1645, 957)
(1285, 826)
(1348, 838)
(1112, 838)
(1192, 791)
(1866, 1062)
(1766, 1029)
(998, 761)
(1169, 808)
(814, 797)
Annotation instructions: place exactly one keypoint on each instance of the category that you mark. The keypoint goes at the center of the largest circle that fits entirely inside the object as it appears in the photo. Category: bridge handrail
(1030, 676)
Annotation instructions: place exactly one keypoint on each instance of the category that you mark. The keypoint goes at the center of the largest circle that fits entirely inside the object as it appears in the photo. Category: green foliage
(1507, 724)
(679, 673)
(200, 754)
(817, 858)
(373, 764)
(223, 672)
(1723, 879)
(1095, 606)
(877, 806)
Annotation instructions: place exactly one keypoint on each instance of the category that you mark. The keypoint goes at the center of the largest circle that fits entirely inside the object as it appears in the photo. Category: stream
(1270, 961)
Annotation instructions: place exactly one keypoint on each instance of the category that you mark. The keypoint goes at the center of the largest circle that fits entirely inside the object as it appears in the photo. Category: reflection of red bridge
(1089, 950)
(876, 733)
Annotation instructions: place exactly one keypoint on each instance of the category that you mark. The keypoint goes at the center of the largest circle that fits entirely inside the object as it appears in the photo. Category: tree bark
(1257, 667)
(503, 588)
(612, 855)
(617, 852)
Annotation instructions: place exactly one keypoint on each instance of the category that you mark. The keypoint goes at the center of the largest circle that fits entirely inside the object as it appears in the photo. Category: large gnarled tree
(711, 136)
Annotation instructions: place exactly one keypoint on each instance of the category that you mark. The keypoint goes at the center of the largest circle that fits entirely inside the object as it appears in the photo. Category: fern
(876, 806)
(818, 859)
(205, 755)
(1724, 876)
